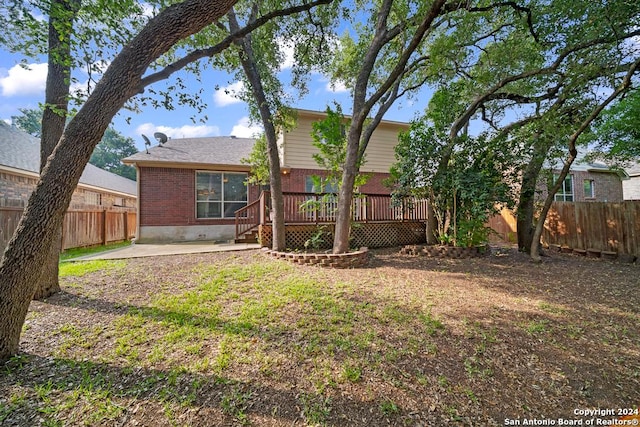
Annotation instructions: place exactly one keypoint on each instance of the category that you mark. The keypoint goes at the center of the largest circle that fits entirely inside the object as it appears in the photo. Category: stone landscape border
(356, 259)
(595, 253)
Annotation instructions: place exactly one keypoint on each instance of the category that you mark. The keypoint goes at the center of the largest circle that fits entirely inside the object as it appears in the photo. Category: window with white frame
(220, 194)
(92, 198)
(589, 189)
(565, 193)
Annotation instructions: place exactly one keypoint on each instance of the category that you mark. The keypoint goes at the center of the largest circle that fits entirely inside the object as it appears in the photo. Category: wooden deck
(308, 208)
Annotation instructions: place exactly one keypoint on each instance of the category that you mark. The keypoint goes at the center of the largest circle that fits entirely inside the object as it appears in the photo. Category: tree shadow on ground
(562, 279)
(510, 346)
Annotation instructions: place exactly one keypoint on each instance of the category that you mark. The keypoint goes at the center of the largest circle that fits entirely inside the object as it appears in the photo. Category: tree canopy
(530, 75)
(617, 131)
(112, 148)
(29, 121)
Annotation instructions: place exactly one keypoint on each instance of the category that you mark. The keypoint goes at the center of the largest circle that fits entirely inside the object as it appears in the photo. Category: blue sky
(227, 115)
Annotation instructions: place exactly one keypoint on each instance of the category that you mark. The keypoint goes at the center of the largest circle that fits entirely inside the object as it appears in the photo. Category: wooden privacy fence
(611, 227)
(604, 227)
(80, 227)
(504, 225)
(99, 227)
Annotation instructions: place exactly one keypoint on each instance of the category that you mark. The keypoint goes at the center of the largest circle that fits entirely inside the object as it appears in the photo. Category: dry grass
(241, 339)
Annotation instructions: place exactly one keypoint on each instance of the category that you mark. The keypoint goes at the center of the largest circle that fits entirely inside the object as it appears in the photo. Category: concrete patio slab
(148, 250)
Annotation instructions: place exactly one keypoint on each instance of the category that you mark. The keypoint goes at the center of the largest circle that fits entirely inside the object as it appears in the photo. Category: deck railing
(322, 208)
(309, 208)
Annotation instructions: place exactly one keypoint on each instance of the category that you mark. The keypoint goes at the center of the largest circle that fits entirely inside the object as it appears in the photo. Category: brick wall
(607, 186)
(296, 179)
(16, 189)
(168, 198)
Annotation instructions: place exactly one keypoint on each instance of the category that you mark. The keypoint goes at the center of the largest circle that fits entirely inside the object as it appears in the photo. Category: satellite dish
(147, 143)
(160, 137)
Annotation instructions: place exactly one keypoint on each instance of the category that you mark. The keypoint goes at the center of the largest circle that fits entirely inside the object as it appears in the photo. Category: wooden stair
(249, 237)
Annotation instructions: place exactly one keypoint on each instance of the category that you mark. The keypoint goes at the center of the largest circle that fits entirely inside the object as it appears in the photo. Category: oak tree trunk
(349, 172)
(61, 16)
(249, 65)
(534, 250)
(364, 101)
(526, 209)
(21, 263)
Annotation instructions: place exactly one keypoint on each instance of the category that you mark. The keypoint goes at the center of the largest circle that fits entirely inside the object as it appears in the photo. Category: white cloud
(336, 87)
(148, 10)
(228, 95)
(7, 121)
(186, 131)
(100, 66)
(287, 48)
(245, 129)
(81, 89)
(24, 81)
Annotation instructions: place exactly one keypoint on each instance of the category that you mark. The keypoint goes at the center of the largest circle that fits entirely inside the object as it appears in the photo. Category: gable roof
(208, 152)
(21, 151)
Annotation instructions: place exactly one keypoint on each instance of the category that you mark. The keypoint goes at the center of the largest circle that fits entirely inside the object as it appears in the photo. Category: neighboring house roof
(580, 164)
(21, 152)
(633, 170)
(217, 151)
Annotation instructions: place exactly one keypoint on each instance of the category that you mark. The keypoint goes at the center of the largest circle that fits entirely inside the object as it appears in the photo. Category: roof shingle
(219, 150)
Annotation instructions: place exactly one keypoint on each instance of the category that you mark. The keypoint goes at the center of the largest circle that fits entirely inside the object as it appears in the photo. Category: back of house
(190, 188)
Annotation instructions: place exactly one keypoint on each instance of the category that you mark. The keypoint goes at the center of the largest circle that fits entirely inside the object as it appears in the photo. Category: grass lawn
(242, 339)
(78, 252)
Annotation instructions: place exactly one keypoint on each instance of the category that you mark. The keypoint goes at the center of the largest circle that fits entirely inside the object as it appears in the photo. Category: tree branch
(624, 86)
(473, 107)
(514, 6)
(391, 97)
(435, 10)
(225, 43)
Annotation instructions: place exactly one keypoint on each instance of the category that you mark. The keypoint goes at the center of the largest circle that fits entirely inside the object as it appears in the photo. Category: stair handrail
(245, 218)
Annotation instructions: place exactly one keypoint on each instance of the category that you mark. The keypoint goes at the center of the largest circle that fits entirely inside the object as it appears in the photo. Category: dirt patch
(405, 341)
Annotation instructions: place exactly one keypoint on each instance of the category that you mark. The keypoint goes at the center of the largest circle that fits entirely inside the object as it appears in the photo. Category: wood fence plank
(585, 225)
(80, 227)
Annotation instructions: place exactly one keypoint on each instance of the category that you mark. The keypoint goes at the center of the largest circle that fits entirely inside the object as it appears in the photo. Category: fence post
(104, 227)
(125, 224)
(64, 219)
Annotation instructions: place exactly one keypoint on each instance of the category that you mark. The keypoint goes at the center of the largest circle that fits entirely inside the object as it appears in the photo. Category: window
(316, 184)
(589, 189)
(220, 194)
(320, 208)
(91, 198)
(565, 193)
